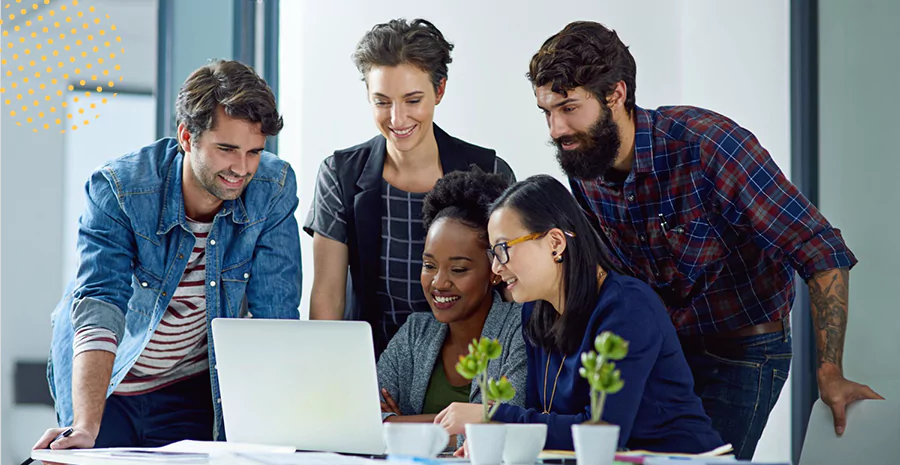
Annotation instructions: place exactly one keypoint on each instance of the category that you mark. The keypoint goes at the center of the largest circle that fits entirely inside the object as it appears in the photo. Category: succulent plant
(600, 372)
(473, 366)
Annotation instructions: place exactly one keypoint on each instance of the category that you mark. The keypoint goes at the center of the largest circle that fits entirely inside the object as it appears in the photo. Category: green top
(441, 393)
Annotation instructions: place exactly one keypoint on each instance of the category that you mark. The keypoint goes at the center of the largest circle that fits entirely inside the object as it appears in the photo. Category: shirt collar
(643, 141)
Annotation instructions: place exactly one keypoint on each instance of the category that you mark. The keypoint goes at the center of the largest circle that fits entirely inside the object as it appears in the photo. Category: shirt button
(212, 242)
(643, 238)
(212, 284)
(631, 198)
(219, 400)
(144, 284)
(246, 275)
(180, 256)
(164, 294)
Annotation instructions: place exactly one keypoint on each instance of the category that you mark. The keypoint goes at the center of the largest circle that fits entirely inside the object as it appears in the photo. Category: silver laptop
(307, 384)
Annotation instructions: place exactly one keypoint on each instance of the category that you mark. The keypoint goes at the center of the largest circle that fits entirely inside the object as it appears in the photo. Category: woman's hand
(455, 417)
(462, 452)
(389, 405)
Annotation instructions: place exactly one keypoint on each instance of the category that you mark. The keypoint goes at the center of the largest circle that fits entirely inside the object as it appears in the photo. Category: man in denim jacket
(175, 234)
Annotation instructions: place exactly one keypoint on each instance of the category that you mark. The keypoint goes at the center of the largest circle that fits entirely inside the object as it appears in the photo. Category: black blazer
(359, 170)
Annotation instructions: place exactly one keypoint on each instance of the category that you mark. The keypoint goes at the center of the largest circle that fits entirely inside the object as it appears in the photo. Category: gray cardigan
(405, 367)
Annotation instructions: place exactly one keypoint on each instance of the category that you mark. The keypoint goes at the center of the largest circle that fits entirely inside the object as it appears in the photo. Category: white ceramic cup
(595, 444)
(484, 443)
(415, 439)
(524, 443)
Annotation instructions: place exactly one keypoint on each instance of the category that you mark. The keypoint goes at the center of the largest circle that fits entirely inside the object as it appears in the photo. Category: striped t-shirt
(178, 348)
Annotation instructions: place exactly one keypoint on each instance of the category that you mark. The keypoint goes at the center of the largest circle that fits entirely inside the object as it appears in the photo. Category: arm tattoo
(828, 295)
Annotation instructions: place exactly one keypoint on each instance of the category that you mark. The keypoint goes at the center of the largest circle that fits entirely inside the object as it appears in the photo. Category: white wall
(32, 195)
(858, 193)
(737, 62)
(731, 57)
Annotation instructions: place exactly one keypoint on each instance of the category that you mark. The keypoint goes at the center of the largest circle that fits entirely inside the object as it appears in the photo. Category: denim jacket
(133, 247)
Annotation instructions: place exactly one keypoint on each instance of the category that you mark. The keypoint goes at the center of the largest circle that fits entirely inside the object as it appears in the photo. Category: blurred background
(815, 80)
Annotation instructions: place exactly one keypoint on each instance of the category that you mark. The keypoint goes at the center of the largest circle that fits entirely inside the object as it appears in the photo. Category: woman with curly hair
(367, 210)
(417, 371)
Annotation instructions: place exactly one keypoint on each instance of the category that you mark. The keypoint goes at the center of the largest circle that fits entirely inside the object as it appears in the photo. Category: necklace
(552, 395)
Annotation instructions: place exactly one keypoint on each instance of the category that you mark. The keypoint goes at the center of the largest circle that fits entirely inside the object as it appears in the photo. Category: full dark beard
(596, 152)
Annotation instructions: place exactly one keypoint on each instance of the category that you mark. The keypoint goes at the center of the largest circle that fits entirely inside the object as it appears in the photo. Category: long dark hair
(543, 204)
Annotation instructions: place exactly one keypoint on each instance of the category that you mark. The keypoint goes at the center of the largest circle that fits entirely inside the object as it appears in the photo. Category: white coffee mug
(524, 443)
(415, 439)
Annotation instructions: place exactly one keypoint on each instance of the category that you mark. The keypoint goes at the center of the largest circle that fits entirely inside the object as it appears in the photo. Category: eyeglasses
(500, 250)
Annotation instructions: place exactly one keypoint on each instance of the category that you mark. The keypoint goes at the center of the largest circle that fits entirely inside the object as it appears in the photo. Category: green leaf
(500, 391)
(589, 360)
(611, 345)
(463, 369)
(609, 378)
(493, 349)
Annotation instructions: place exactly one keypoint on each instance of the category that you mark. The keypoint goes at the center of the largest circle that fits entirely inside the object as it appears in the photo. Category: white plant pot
(524, 443)
(595, 444)
(484, 443)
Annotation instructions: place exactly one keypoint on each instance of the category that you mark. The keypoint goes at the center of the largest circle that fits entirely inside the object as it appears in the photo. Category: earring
(495, 280)
(554, 253)
(559, 259)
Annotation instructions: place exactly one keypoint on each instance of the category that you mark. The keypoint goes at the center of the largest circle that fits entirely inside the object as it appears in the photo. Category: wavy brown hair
(584, 54)
(398, 42)
(232, 85)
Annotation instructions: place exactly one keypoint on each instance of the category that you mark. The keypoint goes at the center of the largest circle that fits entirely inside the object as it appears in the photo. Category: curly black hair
(465, 196)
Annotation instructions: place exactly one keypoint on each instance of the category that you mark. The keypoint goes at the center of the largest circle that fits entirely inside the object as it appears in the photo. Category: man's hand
(389, 405)
(829, 293)
(838, 392)
(455, 417)
(79, 439)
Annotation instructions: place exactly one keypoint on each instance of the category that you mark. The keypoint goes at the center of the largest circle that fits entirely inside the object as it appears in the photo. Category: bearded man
(690, 202)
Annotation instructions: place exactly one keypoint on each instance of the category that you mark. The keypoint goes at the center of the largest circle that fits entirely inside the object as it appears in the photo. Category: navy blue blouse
(657, 409)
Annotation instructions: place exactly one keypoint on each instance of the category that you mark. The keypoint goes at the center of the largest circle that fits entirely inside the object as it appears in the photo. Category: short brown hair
(234, 86)
(584, 54)
(418, 43)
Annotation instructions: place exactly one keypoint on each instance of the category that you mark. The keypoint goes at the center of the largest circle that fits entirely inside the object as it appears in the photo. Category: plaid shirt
(707, 218)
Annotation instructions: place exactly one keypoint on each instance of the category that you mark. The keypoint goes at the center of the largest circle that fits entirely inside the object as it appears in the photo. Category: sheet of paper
(118, 455)
(218, 448)
(305, 458)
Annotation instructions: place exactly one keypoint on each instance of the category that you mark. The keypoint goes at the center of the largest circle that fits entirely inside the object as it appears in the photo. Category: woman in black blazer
(367, 210)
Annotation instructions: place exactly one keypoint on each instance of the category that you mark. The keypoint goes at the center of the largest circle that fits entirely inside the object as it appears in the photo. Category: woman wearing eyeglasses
(549, 255)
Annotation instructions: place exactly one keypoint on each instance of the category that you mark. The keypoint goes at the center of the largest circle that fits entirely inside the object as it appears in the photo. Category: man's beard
(208, 180)
(596, 152)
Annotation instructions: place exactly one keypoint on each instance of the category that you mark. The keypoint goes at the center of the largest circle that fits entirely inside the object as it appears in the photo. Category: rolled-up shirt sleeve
(93, 338)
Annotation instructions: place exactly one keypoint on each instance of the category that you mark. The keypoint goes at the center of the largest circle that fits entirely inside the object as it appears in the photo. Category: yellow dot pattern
(78, 37)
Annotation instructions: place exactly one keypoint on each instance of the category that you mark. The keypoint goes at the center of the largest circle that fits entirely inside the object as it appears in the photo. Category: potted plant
(485, 441)
(595, 440)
